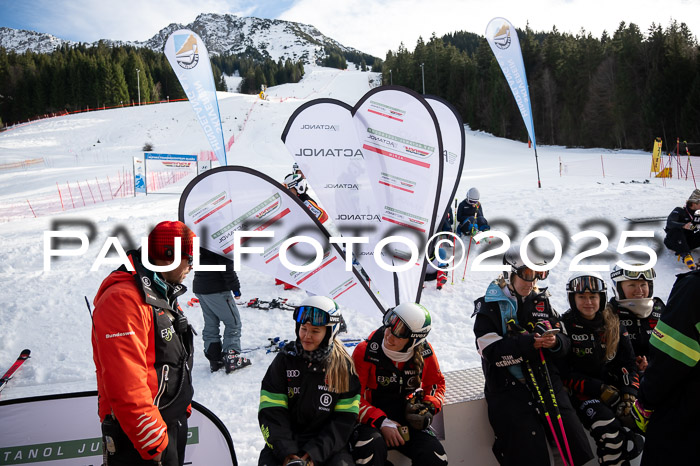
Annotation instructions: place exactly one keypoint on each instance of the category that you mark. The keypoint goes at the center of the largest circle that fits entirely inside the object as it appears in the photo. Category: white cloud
(375, 26)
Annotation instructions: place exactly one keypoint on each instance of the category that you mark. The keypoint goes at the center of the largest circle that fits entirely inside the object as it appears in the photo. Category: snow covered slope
(46, 312)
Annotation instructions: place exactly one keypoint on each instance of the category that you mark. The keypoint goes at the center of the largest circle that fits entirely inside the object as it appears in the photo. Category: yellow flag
(656, 156)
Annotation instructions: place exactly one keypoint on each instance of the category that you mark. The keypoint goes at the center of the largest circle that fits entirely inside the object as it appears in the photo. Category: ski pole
(556, 407)
(454, 242)
(546, 412)
(467, 259)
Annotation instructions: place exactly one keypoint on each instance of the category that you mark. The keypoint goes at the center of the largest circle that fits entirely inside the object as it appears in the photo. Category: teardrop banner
(402, 144)
(320, 136)
(189, 59)
(247, 216)
(454, 152)
(504, 42)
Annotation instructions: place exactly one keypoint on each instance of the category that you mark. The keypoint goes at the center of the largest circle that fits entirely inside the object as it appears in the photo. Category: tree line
(78, 77)
(618, 91)
(258, 71)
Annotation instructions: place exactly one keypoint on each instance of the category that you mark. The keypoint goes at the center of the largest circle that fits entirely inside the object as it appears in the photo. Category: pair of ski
(276, 344)
(277, 303)
(23, 356)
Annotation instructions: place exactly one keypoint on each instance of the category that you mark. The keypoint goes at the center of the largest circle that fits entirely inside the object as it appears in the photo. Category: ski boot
(688, 261)
(441, 279)
(234, 361)
(634, 444)
(213, 354)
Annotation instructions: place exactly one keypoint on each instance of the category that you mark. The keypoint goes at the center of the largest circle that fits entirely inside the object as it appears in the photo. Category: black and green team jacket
(675, 341)
(671, 383)
(297, 412)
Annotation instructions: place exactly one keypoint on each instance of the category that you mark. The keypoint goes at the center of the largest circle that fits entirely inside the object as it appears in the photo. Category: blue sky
(373, 26)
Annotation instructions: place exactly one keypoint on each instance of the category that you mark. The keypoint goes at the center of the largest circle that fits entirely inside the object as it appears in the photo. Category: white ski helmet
(409, 320)
(295, 181)
(473, 196)
(320, 311)
(518, 267)
(641, 307)
(580, 282)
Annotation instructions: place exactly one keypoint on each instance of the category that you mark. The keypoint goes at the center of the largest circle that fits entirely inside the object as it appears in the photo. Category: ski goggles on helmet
(398, 327)
(315, 316)
(530, 275)
(586, 283)
(648, 275)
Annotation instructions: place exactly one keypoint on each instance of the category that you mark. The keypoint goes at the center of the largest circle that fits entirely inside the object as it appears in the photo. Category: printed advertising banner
(63, 430)
(189, 59)
(226, 200)
(321, 138)
(139, 176)
(169, 162)
(400, 138)
(454, 150)
(503, 39)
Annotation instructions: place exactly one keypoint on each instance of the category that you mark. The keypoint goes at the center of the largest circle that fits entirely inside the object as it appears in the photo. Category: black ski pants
(522, 432)
(606, 430)
(127, 455)
(423, 448)
(682, 241)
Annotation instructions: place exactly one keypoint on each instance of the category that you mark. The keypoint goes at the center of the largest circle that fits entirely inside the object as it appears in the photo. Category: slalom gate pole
(687, 151)
(537, 164)
(556, 407)
(546, 412)
(467, 260)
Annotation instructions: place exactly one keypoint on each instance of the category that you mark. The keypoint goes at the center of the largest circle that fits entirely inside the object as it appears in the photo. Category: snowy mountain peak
(223, 34)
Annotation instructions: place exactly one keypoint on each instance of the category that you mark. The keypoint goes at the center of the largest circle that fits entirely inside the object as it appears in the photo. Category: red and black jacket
(387, 384)
(143, 365)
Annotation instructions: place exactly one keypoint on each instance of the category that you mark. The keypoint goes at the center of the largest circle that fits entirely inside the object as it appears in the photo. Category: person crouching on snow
(470, 214)
(516, 328)
(683, 230)
(402, 388)
(310, 395)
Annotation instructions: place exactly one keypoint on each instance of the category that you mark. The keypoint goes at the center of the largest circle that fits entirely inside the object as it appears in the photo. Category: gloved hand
(624, 411)
(419, 413)
(609, 395)
(237, 294)
(641, 416)
(542, 326)
(624, 407)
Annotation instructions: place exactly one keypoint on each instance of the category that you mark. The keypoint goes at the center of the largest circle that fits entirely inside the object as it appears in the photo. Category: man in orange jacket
(142, 348)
